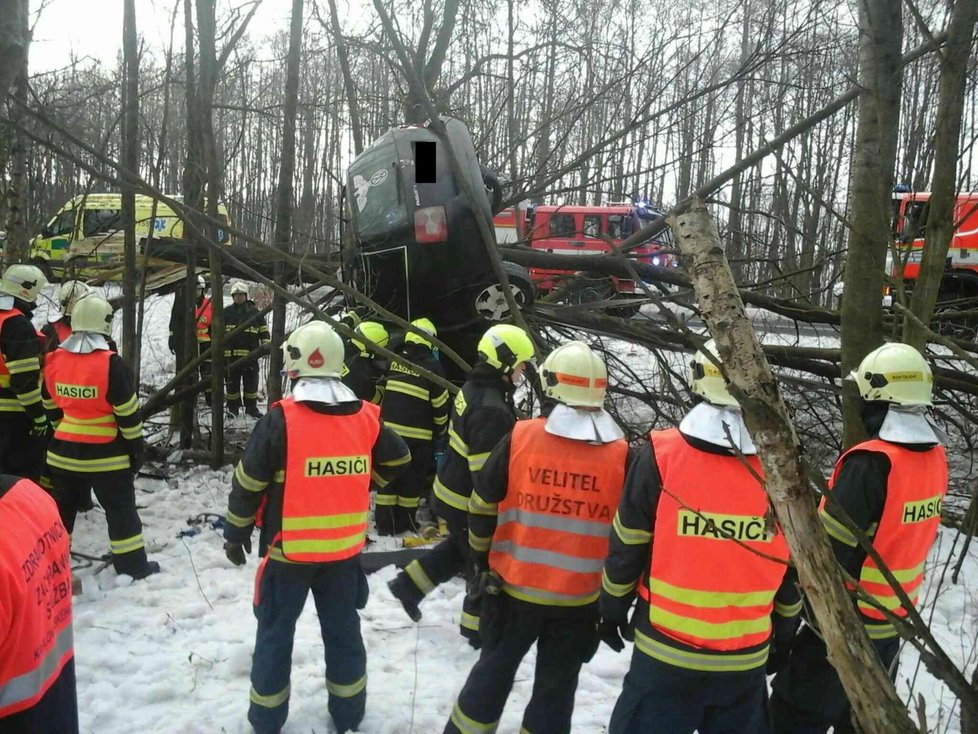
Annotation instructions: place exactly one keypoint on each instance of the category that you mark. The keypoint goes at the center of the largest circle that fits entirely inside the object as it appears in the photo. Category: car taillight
(430, 224)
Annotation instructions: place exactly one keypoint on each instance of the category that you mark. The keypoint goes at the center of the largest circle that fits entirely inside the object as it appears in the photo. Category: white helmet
(23, 281)
(313, 350)
(69, 294)
(895, 373)
(240, 287)
(706, 379)
(575, 375)
(92, 313)
(201, 283)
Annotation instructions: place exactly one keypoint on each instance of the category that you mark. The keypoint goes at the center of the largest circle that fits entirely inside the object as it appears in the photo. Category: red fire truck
(910, 220)
(584, 230)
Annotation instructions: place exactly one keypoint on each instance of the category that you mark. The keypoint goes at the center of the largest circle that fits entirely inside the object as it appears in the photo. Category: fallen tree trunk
(875, 703)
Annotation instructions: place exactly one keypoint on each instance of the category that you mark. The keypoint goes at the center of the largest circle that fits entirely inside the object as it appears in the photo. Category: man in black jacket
(481, 415)
(24, 427)
(313, 499)
(243, 378)
(417, 408)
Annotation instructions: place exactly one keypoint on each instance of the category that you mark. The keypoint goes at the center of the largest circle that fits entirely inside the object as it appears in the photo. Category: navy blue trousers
(808, 697)
(338, 589)
(660, 698)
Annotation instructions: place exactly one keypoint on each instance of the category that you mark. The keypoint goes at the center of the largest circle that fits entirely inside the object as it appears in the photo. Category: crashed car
(411, 241)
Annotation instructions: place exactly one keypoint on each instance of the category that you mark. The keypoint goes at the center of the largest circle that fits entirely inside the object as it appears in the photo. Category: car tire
(490, 302)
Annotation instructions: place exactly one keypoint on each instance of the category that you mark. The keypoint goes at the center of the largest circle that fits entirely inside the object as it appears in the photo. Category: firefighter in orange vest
(24, 426)
(694, 535)
(203, 314)
(891, 486)
(58, 330)
(37, 666)
(307, 471)
(539, 520)
(98, 437)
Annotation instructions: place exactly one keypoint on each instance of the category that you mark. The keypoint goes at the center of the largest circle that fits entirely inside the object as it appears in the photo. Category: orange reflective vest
(706, 587)
(4, 371)
(327, 482)
(908, 526)
(61, 329)
(35, 596)
(203, 315)
(79, 385)
(553, 524)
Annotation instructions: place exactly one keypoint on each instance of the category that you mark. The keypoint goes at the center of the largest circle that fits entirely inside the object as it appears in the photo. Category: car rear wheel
(490, 302)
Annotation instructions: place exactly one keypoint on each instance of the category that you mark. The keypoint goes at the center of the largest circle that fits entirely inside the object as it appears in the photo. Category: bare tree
(874, 159)
(130, 159)
(946, 144)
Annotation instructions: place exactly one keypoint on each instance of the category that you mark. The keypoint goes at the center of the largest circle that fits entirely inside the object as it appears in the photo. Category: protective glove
(236, 551)
(42, 429)
(482, 583)
(613, 633)
(137, 453)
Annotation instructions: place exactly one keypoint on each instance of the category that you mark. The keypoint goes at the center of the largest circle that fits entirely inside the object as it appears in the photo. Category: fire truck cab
(584, 230)
(959, 284)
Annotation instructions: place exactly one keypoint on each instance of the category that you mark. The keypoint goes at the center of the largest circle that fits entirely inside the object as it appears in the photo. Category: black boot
(405, 592)
(385, 520)
(149, 569)
(253, 411)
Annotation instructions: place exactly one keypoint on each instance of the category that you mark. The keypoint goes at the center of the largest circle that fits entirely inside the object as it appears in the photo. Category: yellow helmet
(69, 294)
(424, 325)
(23, 281)
(574, 375)
(373, 331)
(895, 373)
(505, 346)
(92, 313)
(706, 379)
(313, 350)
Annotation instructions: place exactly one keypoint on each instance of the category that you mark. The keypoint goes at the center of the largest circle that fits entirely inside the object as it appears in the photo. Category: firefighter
(37, 665)
(693, 533)
(24, 426)
(98, 437)
(245, 378)
(539, 519)
(203, 314)
(363, 372)
(417, 408)
(57, 331)
(482, 413)
(313, 499)
(891, 486)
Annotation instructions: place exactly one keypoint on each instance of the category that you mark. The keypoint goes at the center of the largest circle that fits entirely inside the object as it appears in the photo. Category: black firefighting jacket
(259, 477)
(481, 415)
(21, 349)
(254, 335)
(413, 405)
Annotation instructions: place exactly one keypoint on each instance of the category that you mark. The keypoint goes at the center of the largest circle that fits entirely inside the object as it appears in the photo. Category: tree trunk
(871, 183)
(343, 54)
(875, 704)
(283, 206)
(940, 220)
(130, 161)
(193, 198)
(14, 42)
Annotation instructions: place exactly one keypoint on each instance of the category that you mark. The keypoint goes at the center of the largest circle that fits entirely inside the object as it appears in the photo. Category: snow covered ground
(172, 654)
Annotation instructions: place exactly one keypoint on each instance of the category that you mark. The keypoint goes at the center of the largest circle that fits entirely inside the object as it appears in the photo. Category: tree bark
(14, 43)
(870, 187)
(130, 159)
(283, 206)
(947, 135)
(875, 704)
